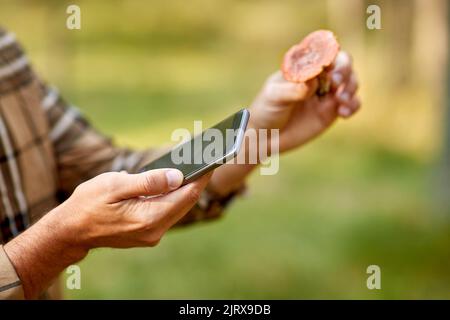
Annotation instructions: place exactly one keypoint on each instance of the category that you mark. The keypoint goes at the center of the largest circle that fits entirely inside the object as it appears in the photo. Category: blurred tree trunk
(430, 69)
(345, 19)
(61, 45)
(446, 154)
(397, 17)
(430, 45)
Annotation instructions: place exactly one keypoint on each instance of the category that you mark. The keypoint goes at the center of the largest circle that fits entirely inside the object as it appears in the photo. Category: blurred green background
(366, 192)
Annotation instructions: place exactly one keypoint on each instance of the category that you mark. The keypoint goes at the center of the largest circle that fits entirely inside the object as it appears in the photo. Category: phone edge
(233, 153)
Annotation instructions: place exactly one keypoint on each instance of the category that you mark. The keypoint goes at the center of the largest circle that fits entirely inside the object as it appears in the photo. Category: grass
(362, 194)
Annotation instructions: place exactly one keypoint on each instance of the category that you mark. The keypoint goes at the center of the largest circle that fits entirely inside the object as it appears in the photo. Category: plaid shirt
(46, 149)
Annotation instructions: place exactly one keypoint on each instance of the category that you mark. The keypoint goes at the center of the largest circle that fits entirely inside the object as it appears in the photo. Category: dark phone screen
(211, 146)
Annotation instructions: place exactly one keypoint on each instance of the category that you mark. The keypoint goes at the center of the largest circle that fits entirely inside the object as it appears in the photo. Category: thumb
(279, 91)
(148, 183)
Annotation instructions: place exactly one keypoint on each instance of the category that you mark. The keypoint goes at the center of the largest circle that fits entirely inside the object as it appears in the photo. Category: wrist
(71, 227)
(66, 230)
(41, 252)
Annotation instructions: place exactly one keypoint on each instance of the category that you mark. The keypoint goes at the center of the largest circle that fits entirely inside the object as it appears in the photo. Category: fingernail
(342, 59)
(174, 178)
(336, 78)
(344, 96)
(344, 111)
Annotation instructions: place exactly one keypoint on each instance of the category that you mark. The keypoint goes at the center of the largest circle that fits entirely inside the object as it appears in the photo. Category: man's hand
(111, 210)
(298, 112)
(124, 210)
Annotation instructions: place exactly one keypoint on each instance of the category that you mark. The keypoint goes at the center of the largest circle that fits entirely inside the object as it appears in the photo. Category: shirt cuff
(10, 285)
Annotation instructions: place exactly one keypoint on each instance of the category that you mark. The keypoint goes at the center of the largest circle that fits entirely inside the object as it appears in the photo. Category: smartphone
(206, 151)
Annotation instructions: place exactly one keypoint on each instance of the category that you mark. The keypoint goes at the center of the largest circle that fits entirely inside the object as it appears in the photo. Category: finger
(280, 91)
(342, 95)
(149, 183)
(347, 110)
(195, 192)
(326, 109)
(187, 195)
(342, 70)
(345, 92)
(286, 92)
(313, 85)
(343, 61)
(352, 85)
(177, 203)
(277, 76)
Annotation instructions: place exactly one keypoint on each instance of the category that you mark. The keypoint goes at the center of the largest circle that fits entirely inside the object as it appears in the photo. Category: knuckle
(272, 89)
(273, 78)
(150, 181)
(81, 188)
(106, 176)
(154, 239)
(154, 242)
(147, 221)
(145, 225)
(103, 180)
(110, 181)
(151, 219)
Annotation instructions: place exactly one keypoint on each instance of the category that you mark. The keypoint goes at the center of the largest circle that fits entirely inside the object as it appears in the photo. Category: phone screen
(211, 148)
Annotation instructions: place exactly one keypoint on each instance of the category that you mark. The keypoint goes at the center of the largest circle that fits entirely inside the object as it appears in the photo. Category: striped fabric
(46, 149)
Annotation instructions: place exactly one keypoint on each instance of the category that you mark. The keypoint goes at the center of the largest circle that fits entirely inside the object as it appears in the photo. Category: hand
(111, 210)
(298, 112)
(114, 209)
